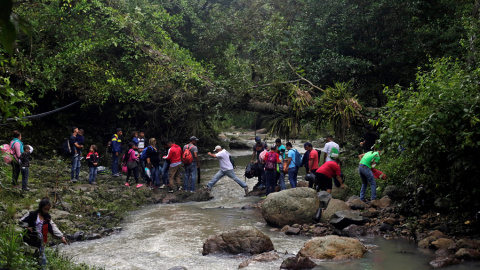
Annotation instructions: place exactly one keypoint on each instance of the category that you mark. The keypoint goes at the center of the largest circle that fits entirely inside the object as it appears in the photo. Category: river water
(165, 236)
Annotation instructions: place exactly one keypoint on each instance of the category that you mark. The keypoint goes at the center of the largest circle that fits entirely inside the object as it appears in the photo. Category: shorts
(322, 181)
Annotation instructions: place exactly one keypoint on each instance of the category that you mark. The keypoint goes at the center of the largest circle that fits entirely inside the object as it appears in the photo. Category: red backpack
(187, 157)
(271, 162)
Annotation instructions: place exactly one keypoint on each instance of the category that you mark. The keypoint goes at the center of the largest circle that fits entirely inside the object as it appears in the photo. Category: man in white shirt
(327, 150)
(226, 168)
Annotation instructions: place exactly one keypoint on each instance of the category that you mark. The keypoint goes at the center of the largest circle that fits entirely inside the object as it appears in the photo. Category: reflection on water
(164, 236)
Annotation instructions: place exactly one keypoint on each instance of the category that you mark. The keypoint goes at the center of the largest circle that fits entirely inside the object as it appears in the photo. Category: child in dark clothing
(24, 165)
(92, 159)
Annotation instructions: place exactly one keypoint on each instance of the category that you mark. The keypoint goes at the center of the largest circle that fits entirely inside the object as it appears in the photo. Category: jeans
(367, 177)
(15, 172)
(292, 176)
(281, 178)
(165, 169)
(270, 181)
(229, 173)
(114, 163)
(24, 177)
(93, 174)
(190, 177)
(75, 167)
(155, 175)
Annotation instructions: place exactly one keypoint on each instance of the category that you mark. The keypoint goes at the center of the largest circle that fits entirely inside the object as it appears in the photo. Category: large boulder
(291, 206)
(467, 254)
(333, 206)
(343, 219)
(324, 197)
(382, 203)
(245, 239)
(442, 243)
(356, 204)
(354, 231)
(441, 262)
(333, 247)
(340, 193)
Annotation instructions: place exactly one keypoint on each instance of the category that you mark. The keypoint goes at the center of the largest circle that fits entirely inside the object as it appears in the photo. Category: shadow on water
(164, 236)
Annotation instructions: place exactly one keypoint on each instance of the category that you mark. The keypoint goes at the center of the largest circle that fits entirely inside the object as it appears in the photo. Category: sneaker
(192, 191)
(74, 180)
(170, 190)
(163, 186)
(179, 188)
(79, 179)
(93, 183)
(139, 185)
(26, 189)
(246, 190)
(264, 197)
(81, 157)
(127, 184)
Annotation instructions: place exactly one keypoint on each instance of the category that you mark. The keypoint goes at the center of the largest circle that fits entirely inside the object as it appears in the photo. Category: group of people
(20, 160)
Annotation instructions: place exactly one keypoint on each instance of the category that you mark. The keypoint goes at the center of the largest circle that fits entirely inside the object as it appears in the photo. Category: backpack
(270, 162)
(67, 149)
(7, 153)
(187, 157)
(251, 170)
(262, 155)
(143, 156)
(334, 153)
(298, 158)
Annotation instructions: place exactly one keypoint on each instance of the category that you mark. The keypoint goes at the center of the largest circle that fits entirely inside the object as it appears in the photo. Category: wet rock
(79, 236)
(249, 206)
(441, 262)
(93, 236)
(293, 231)
(240, 144)
(467, 254)
(285, 229)
(425, 243)
(354, 231)
(264, 257)
(297, 263)
(386, 227)
(342, 219)
(324, 197)
(178, 268)
(243, 239)
(333, 247)
(437, 234)
(287, 207)
(467, 243)
(442, 243)
(333, 206)
(302, 184)
(170, 198)
(391, 191)
(382, 203)
(390, 221)
(357, 204)
(443, 253)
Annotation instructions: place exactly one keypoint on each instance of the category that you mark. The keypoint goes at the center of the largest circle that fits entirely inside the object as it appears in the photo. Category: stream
(163, 236)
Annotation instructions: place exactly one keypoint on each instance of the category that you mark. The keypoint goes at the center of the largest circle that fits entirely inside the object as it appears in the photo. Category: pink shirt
(16, 150)
(131, 155)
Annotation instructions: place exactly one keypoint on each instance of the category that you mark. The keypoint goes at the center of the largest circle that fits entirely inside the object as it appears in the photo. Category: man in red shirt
(174, 156)
(312, 160)
(325, 173)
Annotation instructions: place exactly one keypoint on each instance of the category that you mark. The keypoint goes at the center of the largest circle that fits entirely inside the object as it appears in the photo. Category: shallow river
(165, 236)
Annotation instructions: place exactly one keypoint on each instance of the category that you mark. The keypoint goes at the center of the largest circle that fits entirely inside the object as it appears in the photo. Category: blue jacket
(116, 144)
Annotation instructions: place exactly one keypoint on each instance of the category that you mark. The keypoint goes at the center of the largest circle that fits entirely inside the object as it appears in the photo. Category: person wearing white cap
(226, 168)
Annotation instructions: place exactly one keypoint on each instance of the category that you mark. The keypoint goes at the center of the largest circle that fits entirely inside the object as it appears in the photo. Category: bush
(431, 131)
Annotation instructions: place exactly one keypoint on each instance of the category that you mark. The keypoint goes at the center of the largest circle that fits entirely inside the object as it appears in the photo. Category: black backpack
(251, 170)
(67, 149)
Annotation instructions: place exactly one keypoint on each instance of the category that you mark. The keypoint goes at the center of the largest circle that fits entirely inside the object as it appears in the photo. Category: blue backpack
(143, 156)
(298, 158)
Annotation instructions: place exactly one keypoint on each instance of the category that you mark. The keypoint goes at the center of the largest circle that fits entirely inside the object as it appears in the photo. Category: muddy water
(165, 236)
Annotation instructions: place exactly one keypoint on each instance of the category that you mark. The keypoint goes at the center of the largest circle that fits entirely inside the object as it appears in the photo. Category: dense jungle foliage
(177, 68)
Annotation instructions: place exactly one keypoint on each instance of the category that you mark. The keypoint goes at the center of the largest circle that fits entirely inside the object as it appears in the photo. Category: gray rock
(293, 231)
(385, 227)
(356, 203)
(467, 254)
(391, 191)
(178, 268)
(264, 257)
(93, 236)
(243, 239)
(342, 219)
(240, 144)
(441, 262)
(79, 236)
(324, 197)
(297, 263)
(333, 206)
(354, 231)
(287, 207)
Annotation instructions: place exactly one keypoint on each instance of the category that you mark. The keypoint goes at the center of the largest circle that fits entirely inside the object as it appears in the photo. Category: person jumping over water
(226, 168)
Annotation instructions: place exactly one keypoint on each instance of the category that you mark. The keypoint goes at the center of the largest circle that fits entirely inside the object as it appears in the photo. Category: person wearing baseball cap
(192, 167)
(226, 168)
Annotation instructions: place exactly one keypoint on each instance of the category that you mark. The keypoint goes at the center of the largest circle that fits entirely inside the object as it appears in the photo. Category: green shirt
(369, 157)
